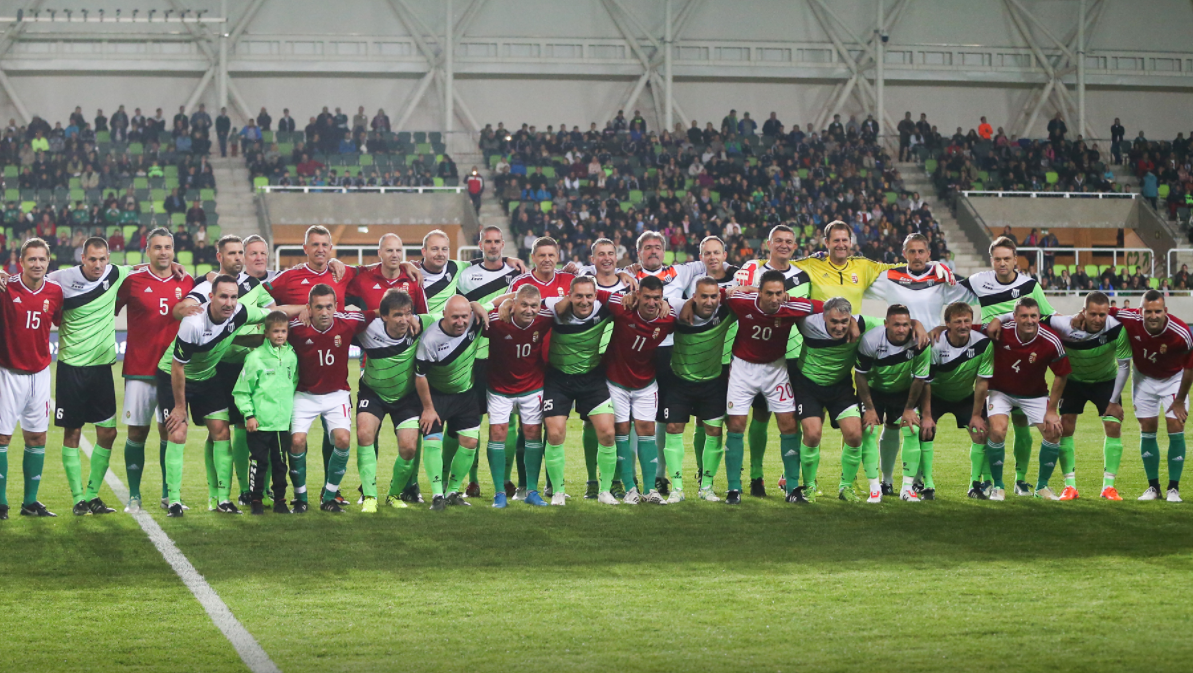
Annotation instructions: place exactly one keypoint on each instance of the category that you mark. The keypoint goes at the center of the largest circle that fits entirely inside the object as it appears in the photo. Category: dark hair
(1097, 297)
(226, 239)
(1153, 295)
(955, 309)
(544, 241)
(1003, 242)
(650, 283)
(158, 231)
(780, 228)
(770, 276)
(706, 280)
(94, 242)
(321, 290)
(897, 309)
(582, 280)
(394, 299)
(222, 278)
(34, 242)
(1027, 302)
(276, 317)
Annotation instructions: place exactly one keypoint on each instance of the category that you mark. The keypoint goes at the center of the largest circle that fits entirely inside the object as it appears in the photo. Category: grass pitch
(938, 586)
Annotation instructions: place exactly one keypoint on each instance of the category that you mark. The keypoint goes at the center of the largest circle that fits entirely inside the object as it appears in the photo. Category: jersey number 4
(1016, 365)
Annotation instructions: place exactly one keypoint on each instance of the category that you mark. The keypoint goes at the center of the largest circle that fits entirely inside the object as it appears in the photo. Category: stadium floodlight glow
(86, 16)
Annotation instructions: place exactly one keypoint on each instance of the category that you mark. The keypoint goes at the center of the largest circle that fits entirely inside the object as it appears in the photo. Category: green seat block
(185, 257)
(132, 257)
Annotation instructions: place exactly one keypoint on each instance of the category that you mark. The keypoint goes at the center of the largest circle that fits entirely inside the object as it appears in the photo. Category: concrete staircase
(235, 201)
(491, 213)
(967, 257)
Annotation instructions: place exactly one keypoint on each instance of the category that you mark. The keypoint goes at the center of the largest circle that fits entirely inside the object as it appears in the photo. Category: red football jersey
(369, 286)
(1019, 367)
(762, 337)
(1162, 355)
(293, 286)
(323, 356)
(26, 316)
(152, 327)
(558, 286)
(629, 360)
(516, 362)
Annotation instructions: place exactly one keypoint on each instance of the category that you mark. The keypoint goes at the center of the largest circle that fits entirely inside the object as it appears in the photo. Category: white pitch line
(246, 645)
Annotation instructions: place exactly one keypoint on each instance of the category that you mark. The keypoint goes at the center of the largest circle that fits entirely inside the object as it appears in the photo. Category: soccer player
(959, 356)
(1162, 354)
(759, 368)
(997, 291)
(444, 380)
(890, 374)
(1100, 355)
(575, 376)
(256, 258)
(150, 293)
(1022, 356)
(187, 377)
(29, 303)
(516, 342)
(441, 274)
(702, 381)
(640, 324)
(323, 391)
(387, 389)
(265, 393)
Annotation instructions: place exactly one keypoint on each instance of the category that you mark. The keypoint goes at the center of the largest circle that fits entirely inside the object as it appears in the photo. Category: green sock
(336, 468)
(298, 475)
(74, 472)
(625, 460)
(329, 447)
(366, 465)
(1022, 452)
(735, 453)
(1176, 456)
(911, 452)
(809, 459)
(977, 461)
(240, 457)
(534, 465)
(515, 445)
(415, 463)
(698, 440)
(606, 466)
(648, 458)
(495, 454)
(555, 459)
(450, 446)
(673, 453)
(757, 433)
(460, 467)
(100, 457)
(161, 449)
(926, 456)
(997, 453)
(32, 466)
(213, 478)
(1049, 457)
(474, 471)
(401, 476)
(1149, 450)
(4, 476)
(789, 452)
(712, 460)
(174, 456)
(590, 451)
(1112, 456)
(851, 459)
(888, 447)
(221, 453)
(870, 457)
(134, 466)
(1068, 465)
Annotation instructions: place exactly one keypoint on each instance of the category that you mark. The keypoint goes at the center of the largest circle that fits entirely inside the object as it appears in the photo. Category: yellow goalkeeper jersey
(849, 280)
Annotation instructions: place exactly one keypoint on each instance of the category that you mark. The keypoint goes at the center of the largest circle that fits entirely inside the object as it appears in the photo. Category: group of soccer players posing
(256, 357)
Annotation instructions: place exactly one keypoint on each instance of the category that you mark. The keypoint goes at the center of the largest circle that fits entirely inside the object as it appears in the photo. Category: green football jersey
(890, 367)
(997, 298)
(202, 342)
(439, 287)
(252, 292)
(389, 362)
(955, 368)
(825, 360)
(699, 348)
(87, 336)
(447, 360)
(1094, 357)
(576, 344)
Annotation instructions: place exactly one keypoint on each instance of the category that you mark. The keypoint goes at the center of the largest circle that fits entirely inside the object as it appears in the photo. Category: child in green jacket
(264, 393)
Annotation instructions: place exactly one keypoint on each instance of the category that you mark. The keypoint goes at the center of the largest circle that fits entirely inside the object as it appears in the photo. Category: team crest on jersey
(969, 353)
(910, 354)
(535, 337)
(338, 341)
(1032, 358)
(778, 323)
(178, 293)
(656, 333)
(1163, 348)
(105, 284)
(1015, 293)
(246, 286)
(45, 306)
(853, 277)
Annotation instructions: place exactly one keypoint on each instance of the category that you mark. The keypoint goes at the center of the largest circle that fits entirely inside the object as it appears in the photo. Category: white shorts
(1002, 404)
(140, 402)
(25, 398)
(335, 409)
(747, 379)
(528, 406)
(641, 404)
(1152, 396)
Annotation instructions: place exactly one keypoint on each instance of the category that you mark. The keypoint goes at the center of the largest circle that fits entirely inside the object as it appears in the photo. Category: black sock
(1174, 485)
(1154, 483)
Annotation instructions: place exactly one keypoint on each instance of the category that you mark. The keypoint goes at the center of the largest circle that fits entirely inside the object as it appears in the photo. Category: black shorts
(369, 402)
(480, 384)
(889, 406)
(813, 399)
(705, 400)
(202, 397)
(1077, 393)
(84, 395)
(585, 391)
(962, 410)
(455, 409)
(664, 378)
(226, 374)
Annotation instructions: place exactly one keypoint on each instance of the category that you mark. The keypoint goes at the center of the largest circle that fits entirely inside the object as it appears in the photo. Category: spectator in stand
(196, 217)
(264, 120)
(1151, 189)
(1057, 130)
(476, 187)
(116, 241)
(201, 235)
(771, 127)
(286, 123)
(182, 239)
(985, 131)
(360, 121)
(1180, 280)
(223, 126)
(447, 168)
(1117, 133)
(204, 254)
(250, 135)
(381, 122)
(174, 203)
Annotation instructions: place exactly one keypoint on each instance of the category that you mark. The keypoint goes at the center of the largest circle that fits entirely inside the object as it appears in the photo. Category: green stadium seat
(185, 257)
(366, 160)
(930, 166)
(12, 195)
(1153, 283)
(260, 181)
(545, 206)
(116, 257)
(549, 172)
(140, 183)
(129, 230)
(203, 269)
(207, 195)
(1051, 177)
(1163, 191)
(267, 136)
(1091, 270)
(177, 219)
(213, 232)
(635, 196)
(132, 257)
(513, 205)
(891, 197)
(669, 257)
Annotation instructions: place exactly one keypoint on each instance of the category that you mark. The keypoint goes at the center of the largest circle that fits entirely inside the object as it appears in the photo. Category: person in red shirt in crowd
(1023, 353)
(476, 187)
(116, 241)
(29, 305)
(985, 130)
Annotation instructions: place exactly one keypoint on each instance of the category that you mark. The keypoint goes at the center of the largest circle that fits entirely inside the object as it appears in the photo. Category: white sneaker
(134, 505)
(675, 497)
(606, 498)
(908, 495)
(558, 499)
(632, 497)
(1047, 493)
(1152, 493)
(652, 496)
(1174, 495)
(998, 494)
(875, 496)
(519, 494)
(706, 493)
(1019, 490)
